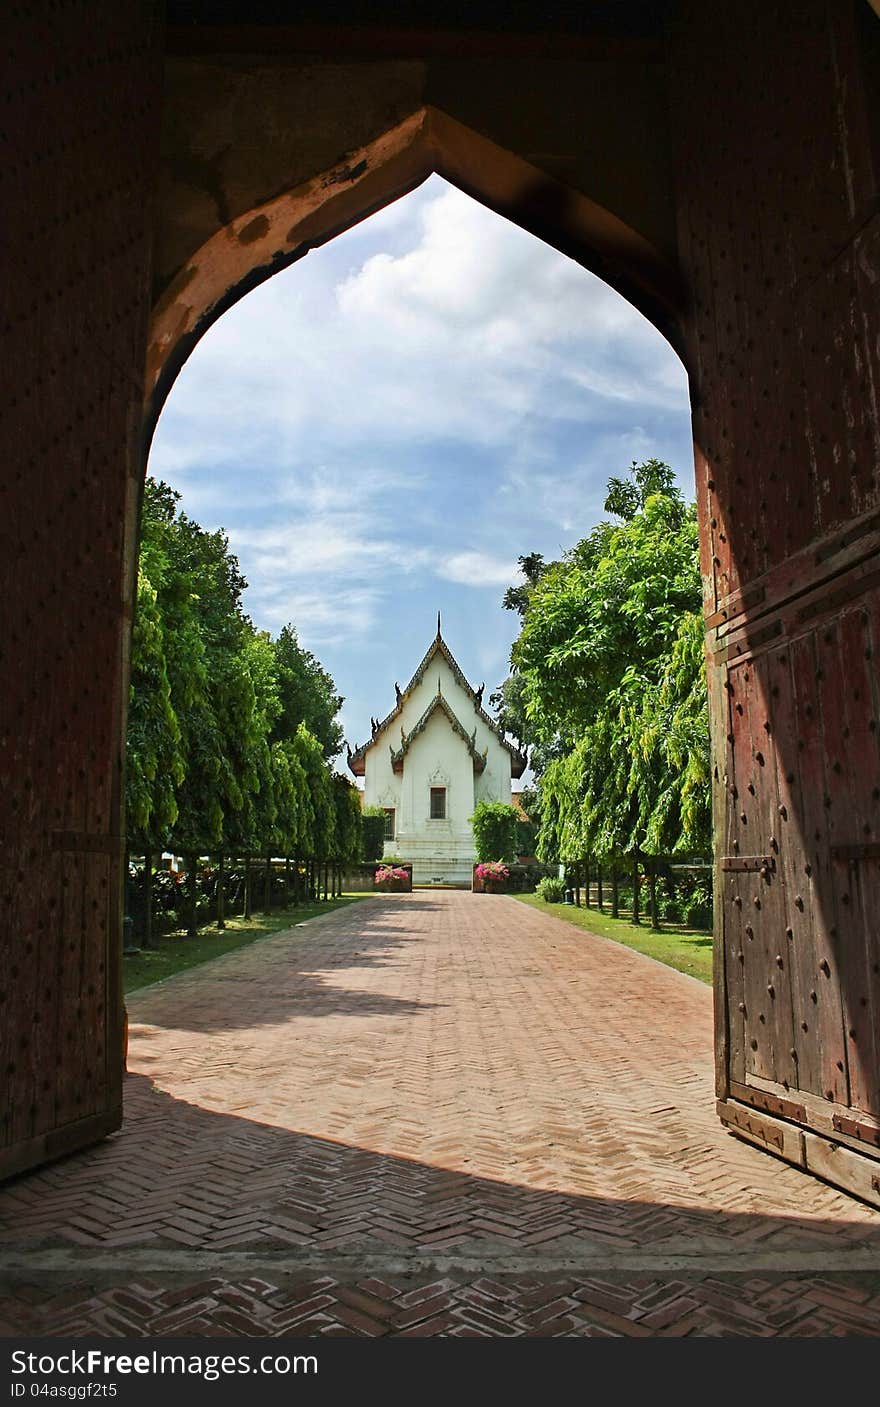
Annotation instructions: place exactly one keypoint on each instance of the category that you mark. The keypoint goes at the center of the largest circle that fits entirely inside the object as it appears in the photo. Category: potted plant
(392, 879)
(492, 877)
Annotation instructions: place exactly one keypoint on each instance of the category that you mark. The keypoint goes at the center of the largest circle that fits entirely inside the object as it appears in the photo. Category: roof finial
(438, 625)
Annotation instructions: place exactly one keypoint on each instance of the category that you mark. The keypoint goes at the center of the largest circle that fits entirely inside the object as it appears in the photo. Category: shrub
(700, 916)
(373, 832)
(670, 909)
(696, 900)
(496, 830)
(550, 889)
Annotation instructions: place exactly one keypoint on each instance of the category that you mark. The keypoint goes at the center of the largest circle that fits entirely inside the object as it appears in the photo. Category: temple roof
(407, 739)
(438, 646)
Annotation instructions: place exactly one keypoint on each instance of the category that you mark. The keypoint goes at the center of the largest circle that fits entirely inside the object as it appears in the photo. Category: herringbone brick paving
(432, 1114)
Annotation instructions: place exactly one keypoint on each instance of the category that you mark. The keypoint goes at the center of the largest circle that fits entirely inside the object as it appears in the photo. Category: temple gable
(429, 760)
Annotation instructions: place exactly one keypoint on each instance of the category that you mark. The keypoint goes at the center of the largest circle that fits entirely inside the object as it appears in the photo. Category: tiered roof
(469, 739)
(357, 759)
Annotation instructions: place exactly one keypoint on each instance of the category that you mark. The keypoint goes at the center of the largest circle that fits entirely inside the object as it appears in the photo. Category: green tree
(212, 688)
(373, 832)
(508, 703)
(155, 761)
(347, 802)
(516, 598)
(527, 821)
(611, 661)
(317, 838)
(627, 497)
(612, 604)
(496, 830)
(307, 695)
(220, 752)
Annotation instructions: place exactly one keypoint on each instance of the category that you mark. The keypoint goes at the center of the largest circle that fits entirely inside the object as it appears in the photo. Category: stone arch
(250, 249)
(737, 144)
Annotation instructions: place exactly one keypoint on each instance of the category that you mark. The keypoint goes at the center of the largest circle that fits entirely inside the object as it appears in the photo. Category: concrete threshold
(111, 1263)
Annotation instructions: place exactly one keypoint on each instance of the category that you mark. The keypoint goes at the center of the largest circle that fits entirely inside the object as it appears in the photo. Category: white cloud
(478, 569)
(389, 424)
(314, 548)
(457, 336)
(322, 617)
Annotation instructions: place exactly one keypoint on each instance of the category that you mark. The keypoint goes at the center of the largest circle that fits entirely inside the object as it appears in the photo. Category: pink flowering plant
(492, 870)
(385, 873)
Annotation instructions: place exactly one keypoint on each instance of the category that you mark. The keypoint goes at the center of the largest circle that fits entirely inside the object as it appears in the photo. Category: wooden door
(81, 125)
(781, 240)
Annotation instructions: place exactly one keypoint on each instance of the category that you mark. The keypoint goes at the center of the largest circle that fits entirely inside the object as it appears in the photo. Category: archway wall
(250, 114)
(780, 247)
(87, 111)
(77, 183)
(271, 145)
(726, 182)
(263, 240)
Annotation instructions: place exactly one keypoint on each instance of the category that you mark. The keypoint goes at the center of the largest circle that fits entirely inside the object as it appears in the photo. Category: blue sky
(385, 427)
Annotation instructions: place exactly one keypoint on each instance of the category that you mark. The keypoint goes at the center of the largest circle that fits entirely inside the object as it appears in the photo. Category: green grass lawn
(175, 952)
(686, 949)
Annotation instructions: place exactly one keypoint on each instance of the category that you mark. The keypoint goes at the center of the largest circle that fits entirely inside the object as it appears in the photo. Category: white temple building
(429, 762)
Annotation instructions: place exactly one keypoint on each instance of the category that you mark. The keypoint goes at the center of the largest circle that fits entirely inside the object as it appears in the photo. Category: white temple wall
(438, 756)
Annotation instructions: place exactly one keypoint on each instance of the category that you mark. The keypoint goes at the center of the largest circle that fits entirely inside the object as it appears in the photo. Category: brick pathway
(432, 1114)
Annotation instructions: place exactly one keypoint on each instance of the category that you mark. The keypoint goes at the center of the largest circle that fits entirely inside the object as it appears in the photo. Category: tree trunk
(247, 887)
(192, 893)
(615, 894)
(128, 921)
(267, 886)
(221, 892)
(587, 883)
(655, 921)
(637, 914)
(287, 881)
(599, 887)
(326, 876)
(148, 900)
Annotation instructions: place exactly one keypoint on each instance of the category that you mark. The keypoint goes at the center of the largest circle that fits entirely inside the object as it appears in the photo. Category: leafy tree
(347, 801)
(516, 598)
(212, 689)
(508, 703)
(627, 497)
(288, 789)
(610, 659)
(373, 832)
(155, 761)
(612, 604)
(317, 841)
(496, 830)
(220, 754)
(527, 821)
(307, 695)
